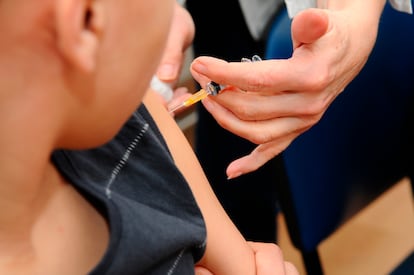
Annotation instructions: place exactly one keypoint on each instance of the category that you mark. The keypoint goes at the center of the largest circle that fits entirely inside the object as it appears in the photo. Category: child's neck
(25, 202)
(51, 229)
(24, 173)
(44, 223)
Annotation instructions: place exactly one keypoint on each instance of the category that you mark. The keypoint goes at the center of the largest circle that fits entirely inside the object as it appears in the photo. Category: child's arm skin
(227, 251)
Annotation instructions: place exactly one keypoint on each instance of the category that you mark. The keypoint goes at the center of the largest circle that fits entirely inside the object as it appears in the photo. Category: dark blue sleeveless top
(155, 224)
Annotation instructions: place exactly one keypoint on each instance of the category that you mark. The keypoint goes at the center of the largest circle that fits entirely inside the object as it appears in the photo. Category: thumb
(202, 271)
(180, 37)
(308, 26)
(170, 65)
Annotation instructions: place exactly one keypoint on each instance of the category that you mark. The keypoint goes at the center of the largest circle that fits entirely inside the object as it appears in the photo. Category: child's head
(87, 63)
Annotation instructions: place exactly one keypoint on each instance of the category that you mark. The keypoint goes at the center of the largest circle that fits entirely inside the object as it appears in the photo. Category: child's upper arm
(227, 252)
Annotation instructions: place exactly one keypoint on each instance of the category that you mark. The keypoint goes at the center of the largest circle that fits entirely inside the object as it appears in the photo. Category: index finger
(265, 77)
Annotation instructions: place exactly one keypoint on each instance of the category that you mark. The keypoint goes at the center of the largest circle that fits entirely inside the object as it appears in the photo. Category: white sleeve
(258, 13)
(295, 6)
(402, 5)
(181, 2)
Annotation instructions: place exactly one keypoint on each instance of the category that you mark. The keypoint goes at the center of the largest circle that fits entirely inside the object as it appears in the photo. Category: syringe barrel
(214, 88)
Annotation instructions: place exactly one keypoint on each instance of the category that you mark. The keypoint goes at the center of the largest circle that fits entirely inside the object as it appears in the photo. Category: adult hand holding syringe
(212, 88)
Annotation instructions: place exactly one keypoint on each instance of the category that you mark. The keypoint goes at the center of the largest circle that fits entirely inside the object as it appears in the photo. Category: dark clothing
(155, 224)
(249, 200)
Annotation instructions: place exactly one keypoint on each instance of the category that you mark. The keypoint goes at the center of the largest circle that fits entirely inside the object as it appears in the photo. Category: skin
(224, 255)
(57, 78)
(180, 38)
(71, 83)
(272, 102)
(286, 97)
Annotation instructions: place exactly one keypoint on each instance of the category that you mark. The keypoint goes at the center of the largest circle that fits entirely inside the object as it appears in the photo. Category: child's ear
(78, 25)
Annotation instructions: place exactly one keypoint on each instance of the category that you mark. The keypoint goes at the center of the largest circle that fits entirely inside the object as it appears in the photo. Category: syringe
(212, 88)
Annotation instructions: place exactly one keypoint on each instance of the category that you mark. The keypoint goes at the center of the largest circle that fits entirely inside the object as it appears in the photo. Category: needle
(201, 94)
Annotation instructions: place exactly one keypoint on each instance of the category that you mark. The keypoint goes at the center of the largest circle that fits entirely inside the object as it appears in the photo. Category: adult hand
(271, 102)
(180, 38)
(269, 261)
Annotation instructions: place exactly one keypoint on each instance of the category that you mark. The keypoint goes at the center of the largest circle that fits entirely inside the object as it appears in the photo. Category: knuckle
(260, 137)
(246, 111)
(315, 108)
(256, 82)
(257, 139)
(277, 250)
(223, 123)
(318, 80)
(307, 123)
(243, 112)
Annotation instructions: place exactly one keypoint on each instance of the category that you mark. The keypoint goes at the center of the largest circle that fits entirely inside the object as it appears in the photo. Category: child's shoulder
(134, 183)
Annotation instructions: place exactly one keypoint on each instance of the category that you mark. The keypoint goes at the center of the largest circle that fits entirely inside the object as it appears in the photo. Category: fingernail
(199, 67)
(233, 176)
(167, 72)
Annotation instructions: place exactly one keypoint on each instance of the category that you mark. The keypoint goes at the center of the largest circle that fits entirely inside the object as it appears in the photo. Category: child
(88, 184)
